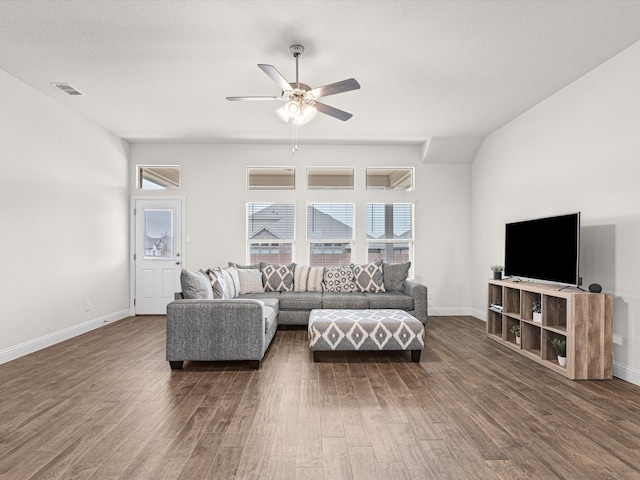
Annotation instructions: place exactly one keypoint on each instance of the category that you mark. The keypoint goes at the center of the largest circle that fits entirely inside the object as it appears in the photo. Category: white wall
(214, 186)
(63, 222)
(577, 151)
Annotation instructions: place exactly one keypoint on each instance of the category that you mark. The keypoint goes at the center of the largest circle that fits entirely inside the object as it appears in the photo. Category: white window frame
(331, 240)
(410, 241)
(270, 241)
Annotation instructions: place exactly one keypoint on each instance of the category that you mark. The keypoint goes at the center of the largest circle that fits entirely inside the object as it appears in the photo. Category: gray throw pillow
(277, 278)
(255, 266)
(369, 277)
(394, 275)
(195, 285)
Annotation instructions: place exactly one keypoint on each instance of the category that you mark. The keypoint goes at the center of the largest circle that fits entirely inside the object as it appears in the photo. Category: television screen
(546, 249)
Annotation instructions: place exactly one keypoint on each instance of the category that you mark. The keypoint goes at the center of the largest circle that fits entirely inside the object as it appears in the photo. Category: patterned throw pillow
(394, 275)
(216, 286)
(369, 277)
(229, 283)
(339, 279)
(250, 280)
(308, 279)
(277, 278)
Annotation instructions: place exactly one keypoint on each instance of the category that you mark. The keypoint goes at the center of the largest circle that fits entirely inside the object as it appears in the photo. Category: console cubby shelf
(584, 320)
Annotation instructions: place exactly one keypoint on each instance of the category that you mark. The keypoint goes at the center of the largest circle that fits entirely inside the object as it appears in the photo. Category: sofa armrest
(212, 330)
(419, 294)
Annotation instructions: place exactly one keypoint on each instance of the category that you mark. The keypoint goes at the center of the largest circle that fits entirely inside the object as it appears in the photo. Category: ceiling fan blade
(275, 75)
(332, 111)
(252, 99)
(338, 87)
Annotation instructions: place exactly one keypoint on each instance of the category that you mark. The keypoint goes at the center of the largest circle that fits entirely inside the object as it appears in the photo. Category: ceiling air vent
(68, 89)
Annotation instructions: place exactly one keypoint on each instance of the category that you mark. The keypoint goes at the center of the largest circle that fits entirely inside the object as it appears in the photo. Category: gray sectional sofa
(241, 328)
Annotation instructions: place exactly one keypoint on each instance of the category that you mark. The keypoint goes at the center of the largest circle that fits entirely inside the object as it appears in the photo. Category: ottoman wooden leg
(177, 365)
(316, 356)
(415, 355)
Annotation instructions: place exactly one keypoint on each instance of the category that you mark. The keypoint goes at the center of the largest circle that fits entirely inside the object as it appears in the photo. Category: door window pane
(158, 228)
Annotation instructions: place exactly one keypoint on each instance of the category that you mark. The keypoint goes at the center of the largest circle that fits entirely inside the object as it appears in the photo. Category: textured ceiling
(160, 70)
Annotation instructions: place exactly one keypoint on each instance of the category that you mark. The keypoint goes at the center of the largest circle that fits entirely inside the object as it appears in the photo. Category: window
(330, 178)
(158, 176)
(271, 178)
(389, 178)
(389, 232)
(330, 233)
(270, 232)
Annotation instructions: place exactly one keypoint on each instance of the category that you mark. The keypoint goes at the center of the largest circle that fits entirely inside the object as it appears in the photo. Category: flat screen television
(545, 249)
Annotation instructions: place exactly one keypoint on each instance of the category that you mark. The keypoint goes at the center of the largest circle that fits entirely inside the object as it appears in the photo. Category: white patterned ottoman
(331, 330)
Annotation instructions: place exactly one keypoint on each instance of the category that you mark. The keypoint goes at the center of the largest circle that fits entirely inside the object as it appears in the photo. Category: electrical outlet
(87, 306)
(617, 339)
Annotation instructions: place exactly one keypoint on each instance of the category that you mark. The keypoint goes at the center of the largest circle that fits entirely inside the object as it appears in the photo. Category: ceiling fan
(302, 100)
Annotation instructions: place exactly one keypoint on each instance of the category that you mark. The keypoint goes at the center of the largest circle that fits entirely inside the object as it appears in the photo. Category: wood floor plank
(363, 463)
(335, 459)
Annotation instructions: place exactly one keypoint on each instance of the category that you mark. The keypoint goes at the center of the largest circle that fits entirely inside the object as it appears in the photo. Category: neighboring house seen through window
(330, 234)
(271, 231)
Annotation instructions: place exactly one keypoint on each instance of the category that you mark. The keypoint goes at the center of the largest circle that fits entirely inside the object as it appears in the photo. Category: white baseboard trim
(449, 311)
(45, 341)
(626, 373)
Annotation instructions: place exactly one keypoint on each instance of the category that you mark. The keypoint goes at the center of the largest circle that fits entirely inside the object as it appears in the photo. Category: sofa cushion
(354, 300)
(270, 315)
(394, 275)
(369, 277)
(308, 279)
(195, 285)
(300, 300)
(393, 300)
(339, 279)
(250, 280)
(277, 278)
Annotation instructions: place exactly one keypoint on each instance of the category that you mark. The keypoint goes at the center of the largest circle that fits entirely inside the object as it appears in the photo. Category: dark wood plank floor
(105, 405)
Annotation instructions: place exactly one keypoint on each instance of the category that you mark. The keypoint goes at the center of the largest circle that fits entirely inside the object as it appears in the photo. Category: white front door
(158, 253)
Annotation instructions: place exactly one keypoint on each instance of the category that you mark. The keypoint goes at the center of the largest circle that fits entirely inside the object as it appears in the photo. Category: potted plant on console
(536, 308)
(516, 331)
(497, 271)
(560, 347)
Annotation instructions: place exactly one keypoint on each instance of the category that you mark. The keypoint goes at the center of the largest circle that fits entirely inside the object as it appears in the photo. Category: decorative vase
(518, 340)
(537, 317)
(562, 361)
(497, 275)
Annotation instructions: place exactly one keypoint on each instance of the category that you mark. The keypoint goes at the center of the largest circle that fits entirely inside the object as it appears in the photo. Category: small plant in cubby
(516, 331)
(560, 347)
(536, 308)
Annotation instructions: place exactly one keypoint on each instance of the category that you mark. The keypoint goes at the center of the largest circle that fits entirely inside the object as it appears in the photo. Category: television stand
(583, 319)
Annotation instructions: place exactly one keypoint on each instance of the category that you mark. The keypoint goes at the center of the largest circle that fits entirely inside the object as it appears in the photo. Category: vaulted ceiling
(442, 74)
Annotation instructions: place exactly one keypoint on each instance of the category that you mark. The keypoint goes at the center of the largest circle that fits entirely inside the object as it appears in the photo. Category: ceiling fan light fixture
(283, 114)
(308, 112)
(293, 108)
